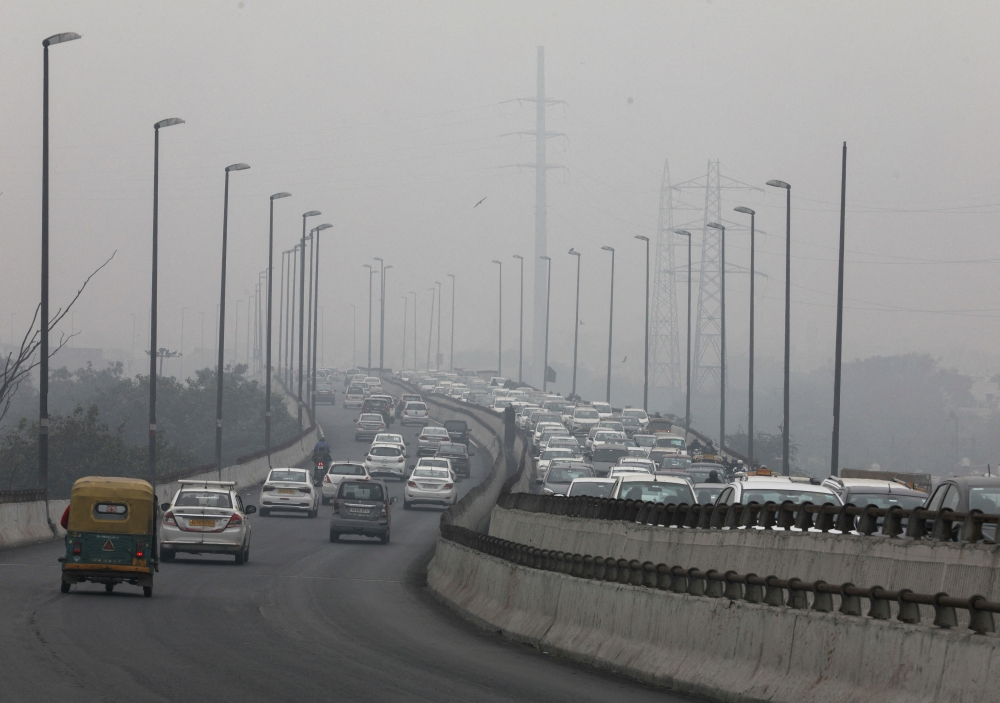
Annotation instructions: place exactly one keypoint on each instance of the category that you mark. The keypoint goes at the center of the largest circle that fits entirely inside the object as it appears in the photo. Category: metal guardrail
(751, 588)
(28, 496)
(945, 525)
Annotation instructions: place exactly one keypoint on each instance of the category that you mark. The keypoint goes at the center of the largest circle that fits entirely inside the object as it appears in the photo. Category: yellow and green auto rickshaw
(110, 534)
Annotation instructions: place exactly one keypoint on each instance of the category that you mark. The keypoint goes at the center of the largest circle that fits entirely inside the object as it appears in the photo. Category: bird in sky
(625, 359)
(479, 203)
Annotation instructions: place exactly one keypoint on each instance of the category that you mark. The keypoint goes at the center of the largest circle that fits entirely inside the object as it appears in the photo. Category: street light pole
(430, 329)
(500, 319)
(520, 327)
(381, 313)
(451, 340)
(437, 358)
(309, 315)
(722, 348)
(371, 273)
(414, 294)
(548, 297)
(267, 364)
(43, 367)
(182, 344)
(354, 314)
(835, 449)
(611, 321)
(576, 327)
(406, 305)
(645, 363)
(748, 211)
(302, 307)
(151, 451)
(220, 372)
(785, 435)
(315, 321)
(281, 311)
(687, 373)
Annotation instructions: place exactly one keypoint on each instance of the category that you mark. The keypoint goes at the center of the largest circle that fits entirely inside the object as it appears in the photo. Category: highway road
(304, 620)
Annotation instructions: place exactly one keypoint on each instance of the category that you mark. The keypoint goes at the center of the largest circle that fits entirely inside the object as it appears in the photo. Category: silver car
(361, 508)
(430, 438)
(338, 471)
(206, 517)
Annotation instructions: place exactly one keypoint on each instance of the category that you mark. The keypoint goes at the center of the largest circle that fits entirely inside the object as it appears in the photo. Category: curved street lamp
(500, 320)
(611, 321)
(748, 211)
(788, 324)
(576, 330)
(645, 363)
(267, 367)
(520, 327)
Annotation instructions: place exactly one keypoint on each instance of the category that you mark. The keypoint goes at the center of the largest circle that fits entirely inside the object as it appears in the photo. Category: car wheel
(246, 554)
(63, 587)
(109, 587)
(334, 536)
(385, 538)
(239, 558)
(264, 512)
(167, 554)
(147, 591)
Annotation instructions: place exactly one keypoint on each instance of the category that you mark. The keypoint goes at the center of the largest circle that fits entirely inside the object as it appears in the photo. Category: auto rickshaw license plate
(287, 491)
(195, 522)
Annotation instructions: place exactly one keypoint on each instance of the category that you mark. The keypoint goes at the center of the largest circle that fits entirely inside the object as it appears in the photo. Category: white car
(596, 487)
(386, 460)
(647, 464)
(430, 485)
(657, 489)
(289, 490)
(628, 470)
(415, 413)
(430, 438)
(500, 404)
(565, 441)
(354, 397)
(206, 517)
(389, 438)
(338, 471)
(374, 383)
(584, 417)
(602, 437)
(639, 414)
(548, 455)
(604, 410)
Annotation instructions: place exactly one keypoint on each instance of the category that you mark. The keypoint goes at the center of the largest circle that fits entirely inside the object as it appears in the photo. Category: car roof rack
(192, 481)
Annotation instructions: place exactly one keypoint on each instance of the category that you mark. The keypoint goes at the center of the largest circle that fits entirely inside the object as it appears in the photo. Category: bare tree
(19, 364)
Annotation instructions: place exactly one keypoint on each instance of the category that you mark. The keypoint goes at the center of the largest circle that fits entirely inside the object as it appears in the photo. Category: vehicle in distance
(604, 410)
(208, 517)
(883, 494)
(390, 438)
(338, 471)
(777, 489)
(354, 397)
(368, 425)
(430, 485)
(458, 430)
(596, 487)
(403, 400)
(415, 413)
(630, 424)
(386, 460)
(639, 414)
(584, 417)
(325, 393)
(362, 508)
(289, 490)
(657, 489)
(605, 456)
(558, 479)
(458, 455)
(429, 439)
(547, 456)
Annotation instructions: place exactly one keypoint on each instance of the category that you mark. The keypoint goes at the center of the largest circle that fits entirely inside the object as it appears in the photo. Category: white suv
(386, 460)
(584, 417)
(415, 413)
(206, 517)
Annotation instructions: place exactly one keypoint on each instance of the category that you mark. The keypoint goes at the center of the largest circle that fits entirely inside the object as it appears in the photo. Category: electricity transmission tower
(706, 356)
(664, 350)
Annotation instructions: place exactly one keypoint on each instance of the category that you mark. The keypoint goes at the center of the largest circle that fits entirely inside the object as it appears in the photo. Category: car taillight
(382, 426)
(359, 425)
(399, 459)
(449, 485)
(336, 505)
(267, 488)
(369, 457)
(411, 484)
(77, 547)
(305, 489)
(326, 479)
(168, 519)
(140, 551)
(235, 521)
(385, 510)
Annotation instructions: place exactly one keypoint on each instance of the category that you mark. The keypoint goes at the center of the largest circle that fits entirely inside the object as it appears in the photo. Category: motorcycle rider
(321, 453)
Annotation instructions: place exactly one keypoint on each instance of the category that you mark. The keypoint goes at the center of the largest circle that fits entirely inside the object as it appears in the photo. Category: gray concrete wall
(713, 647)
(922, 566)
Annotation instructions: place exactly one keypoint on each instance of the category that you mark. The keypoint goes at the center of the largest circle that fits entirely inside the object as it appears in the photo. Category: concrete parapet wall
(962, 570)
(714, 647)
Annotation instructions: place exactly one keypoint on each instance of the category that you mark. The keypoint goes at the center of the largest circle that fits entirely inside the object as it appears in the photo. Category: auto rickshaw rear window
(110, 511)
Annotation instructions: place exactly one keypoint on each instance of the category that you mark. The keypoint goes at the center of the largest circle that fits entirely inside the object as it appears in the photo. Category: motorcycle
(318, 473)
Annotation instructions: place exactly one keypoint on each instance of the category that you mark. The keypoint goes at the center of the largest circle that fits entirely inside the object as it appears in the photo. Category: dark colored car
(361, 508)
(631, 425)
(325, 393)
(458, 431)
(380, 406)
(458, 454)
(965, 493)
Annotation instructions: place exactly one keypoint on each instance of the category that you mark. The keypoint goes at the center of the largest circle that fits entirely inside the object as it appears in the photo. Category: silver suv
(361, 508)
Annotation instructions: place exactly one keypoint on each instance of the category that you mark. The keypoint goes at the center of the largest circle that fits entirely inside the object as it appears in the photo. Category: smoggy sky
(395, 118)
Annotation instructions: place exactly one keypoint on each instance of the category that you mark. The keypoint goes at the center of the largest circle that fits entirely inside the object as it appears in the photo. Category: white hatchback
(338, 471)
(289, 490)
(386, 460)
(415, 413)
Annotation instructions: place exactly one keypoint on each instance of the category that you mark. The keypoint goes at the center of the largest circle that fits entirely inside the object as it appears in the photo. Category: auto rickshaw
(110, 534)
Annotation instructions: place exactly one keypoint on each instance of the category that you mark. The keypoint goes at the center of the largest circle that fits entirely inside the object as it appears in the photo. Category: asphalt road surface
(304, 620)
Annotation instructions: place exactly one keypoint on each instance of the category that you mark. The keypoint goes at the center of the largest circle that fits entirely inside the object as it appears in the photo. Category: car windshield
(287, 475)
(416, 406)
(203, 499)
(547, 417)
(501, 403)
(347, 470)
(611, 454)
(389, 438)
(700, 474)
(452, 450)
(985, 498)
(640, 414)
(370, 417)
(707, 496)
(441, 463)
(566, 475)
(670, 442)
(355, 390)
(666, 493)
(435, 432)
(456, 425)
(361, 491)
(430, 472)
(602, 407)
(630, 421)
(586, 414)
(385, 451)
(888, 500)
(553, 453)
(675, 462)
(598, 489)
(644, 440)
(780, 495)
